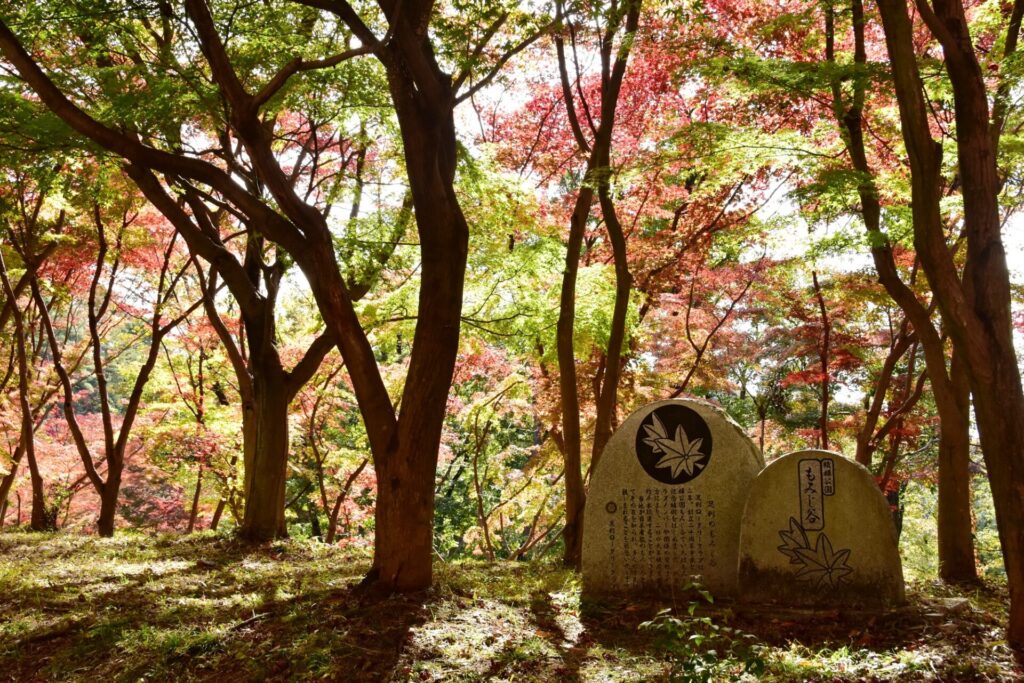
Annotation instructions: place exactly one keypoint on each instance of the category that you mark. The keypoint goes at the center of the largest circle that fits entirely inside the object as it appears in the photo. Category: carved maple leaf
(822, 566)
(681, 454)
(792, 540)
(655, 432)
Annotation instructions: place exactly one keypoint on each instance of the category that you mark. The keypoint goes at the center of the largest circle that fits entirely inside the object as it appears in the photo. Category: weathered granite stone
(818, 532)
(665, 501)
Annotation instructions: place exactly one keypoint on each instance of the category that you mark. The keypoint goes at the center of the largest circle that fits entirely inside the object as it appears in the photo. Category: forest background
(247, 245)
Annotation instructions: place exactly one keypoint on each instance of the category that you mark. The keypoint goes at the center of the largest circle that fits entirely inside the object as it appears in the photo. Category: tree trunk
(108, 505)
(194, 511)
(332, 524)
(575, 495)
(955, 528)
(956, 538)
(8, 481)
(824, 353)
(406, 458)
(263, 519)
(314, 520)
(40, 517)
(404, 524)
(217, 512)
(608, 398)
(976, 309)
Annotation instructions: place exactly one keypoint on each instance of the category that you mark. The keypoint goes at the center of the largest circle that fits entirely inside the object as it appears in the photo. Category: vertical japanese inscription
(657, 536)
(812, 508)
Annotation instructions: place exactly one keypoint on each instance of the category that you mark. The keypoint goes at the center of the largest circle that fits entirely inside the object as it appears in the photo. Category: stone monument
(817, 531)
(665, 501)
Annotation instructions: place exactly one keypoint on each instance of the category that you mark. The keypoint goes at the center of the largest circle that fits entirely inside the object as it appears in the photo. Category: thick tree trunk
(955, 532)
(404, 525)
(976, 309)
(956, 537)
(263, 519)
(406, 458)
(406, 472)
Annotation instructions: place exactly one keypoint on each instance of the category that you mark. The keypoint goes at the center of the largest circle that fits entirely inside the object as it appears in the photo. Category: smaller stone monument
(817, 531)
(665, 501)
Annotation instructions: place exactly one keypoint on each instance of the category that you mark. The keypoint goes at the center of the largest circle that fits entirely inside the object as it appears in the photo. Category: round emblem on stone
(611, 508)
(673, 444)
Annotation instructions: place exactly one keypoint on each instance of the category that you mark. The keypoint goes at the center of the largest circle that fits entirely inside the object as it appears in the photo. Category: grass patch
(207, 608)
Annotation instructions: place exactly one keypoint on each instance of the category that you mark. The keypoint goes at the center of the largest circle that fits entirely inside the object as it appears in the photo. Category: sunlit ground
(206, 608)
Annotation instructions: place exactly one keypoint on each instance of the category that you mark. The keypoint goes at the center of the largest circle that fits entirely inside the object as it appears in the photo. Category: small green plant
(701, 650)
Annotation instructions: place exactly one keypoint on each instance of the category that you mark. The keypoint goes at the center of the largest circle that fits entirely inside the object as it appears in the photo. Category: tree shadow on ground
(208, 609)
(328, 635)
(610, 624)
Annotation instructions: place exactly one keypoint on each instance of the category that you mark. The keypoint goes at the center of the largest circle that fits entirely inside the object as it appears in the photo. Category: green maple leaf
(792, 540)
(822, 566)
(681, 454)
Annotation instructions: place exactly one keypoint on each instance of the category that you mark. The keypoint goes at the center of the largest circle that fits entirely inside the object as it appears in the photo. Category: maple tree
(515, 223)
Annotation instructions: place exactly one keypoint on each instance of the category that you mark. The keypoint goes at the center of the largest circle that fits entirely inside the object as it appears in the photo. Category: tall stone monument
(665, 501)
(818, 532)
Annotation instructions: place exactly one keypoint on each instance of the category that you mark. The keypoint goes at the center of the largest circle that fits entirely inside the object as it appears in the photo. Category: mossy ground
(205, 607)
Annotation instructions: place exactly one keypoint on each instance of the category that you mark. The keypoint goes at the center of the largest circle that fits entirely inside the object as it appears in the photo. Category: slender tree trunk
(194, 511)
(105, 523)
(608, 398)
(7, 482)
(40, 516)
(956, 539)
(866, 436)
(825, 352)
(575, 494)
(314, 520)
(332, 524)
(597, 174)
(217, 513)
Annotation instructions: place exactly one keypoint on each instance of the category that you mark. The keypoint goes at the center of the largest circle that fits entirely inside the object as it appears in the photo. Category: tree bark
(106, 523)
(596, 177)
(956, 543)
(825, 356)
(575, 494)
(193, 512)
(956, 534)
(8, 481)
(42, 520)
(263, 518)
(976, 309)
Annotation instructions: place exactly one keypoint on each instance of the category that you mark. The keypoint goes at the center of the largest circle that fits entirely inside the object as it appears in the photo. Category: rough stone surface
(665, 501)
(817, 531)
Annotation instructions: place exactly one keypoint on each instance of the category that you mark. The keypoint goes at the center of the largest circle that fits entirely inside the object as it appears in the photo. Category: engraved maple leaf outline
(679, 453)
(821, 565)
